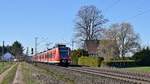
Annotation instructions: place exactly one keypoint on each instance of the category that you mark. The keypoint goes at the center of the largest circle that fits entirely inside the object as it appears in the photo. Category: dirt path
(18, 78)
(5, 73)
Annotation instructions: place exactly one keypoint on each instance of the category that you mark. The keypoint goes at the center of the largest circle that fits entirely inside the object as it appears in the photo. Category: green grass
(60, 76)
(28, 78)
(8, 79)
(55, 74)
(4, 66)
(27, 74)
(139, 69)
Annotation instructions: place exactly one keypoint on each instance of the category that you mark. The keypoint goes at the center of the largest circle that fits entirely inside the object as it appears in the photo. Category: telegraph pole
(73, 44)
(3, 50)
(27, 51)
(38, 43)
(47, 45)
(36, 38)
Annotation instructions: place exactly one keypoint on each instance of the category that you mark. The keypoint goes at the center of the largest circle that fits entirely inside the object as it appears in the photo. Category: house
(107, 49)
(8, 57)
(92, 46)
(103, 48)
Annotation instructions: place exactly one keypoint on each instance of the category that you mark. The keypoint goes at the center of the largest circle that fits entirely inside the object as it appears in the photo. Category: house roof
(8, 55)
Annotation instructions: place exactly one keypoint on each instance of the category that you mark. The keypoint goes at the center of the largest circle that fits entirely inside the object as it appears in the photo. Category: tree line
(15, 49)
(118, 39)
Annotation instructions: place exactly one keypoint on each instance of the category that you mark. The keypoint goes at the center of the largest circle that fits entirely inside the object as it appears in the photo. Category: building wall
(92, 46)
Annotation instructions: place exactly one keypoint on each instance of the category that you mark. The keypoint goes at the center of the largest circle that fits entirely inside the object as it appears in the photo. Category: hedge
(74, 60)
(90, 61)
(120, 63)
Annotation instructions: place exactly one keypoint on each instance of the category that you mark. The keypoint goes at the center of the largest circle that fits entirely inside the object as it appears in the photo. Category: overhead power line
(139, 14)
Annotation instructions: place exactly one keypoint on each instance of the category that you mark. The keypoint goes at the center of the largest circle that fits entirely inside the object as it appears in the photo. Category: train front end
(64, 53)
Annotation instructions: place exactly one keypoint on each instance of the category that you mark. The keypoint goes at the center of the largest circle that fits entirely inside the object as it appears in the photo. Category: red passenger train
(60, 54)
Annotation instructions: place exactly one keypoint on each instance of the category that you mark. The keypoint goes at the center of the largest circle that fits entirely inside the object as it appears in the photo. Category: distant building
(92, 46)
(107, 49)
(8, 57)
(103, 48)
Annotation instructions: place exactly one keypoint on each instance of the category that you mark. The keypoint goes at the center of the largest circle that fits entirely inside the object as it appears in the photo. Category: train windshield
(64, 52)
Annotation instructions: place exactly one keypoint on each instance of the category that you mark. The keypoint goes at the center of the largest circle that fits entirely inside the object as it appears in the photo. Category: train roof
(56, 46)
(59, 45)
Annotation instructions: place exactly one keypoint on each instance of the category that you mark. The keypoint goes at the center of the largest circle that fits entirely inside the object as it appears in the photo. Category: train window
(49, 55)
(64, 52)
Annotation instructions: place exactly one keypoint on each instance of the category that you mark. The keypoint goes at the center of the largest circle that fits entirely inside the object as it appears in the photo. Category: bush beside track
(74, 59)
(120, 63)
(98, 61)
(90, 61)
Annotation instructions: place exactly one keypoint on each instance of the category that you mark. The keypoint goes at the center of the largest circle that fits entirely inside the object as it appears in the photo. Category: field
(139, 69)
(8, 79)
(38, 73)
(4, 66)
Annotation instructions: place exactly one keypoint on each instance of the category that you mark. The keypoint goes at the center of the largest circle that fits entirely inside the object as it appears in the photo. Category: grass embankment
(39, 75)
(8, 79)
(45, 74)
(59, 75)
(139, 69)
(4, 66)
(27, 74)
(90, 61)
(56, 75)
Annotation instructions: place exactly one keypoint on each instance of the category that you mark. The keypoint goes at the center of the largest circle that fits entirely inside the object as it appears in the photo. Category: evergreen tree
(17, 49)
(143, 57)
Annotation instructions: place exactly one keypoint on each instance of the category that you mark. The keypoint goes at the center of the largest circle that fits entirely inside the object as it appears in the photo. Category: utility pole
(73, 44)
(47, 45)
(3, 48)
(38, 43)
(27, 51)
(36, 38)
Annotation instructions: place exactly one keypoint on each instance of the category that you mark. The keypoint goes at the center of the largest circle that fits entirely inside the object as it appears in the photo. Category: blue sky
(23, 20)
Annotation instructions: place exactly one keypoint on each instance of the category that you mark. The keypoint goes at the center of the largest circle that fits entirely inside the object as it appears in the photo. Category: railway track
(125, 74)
(126, 77)
(132, 78)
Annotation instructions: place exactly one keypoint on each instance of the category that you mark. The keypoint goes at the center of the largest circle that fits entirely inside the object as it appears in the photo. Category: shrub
(120, 63)
(74, 59)
(90, 61)
(75, 54)
(143, 57)
(121, 58)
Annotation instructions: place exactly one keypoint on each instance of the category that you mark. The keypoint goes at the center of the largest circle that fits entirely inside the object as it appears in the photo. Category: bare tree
(107, 49)
(89, 23)
(126, 39)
